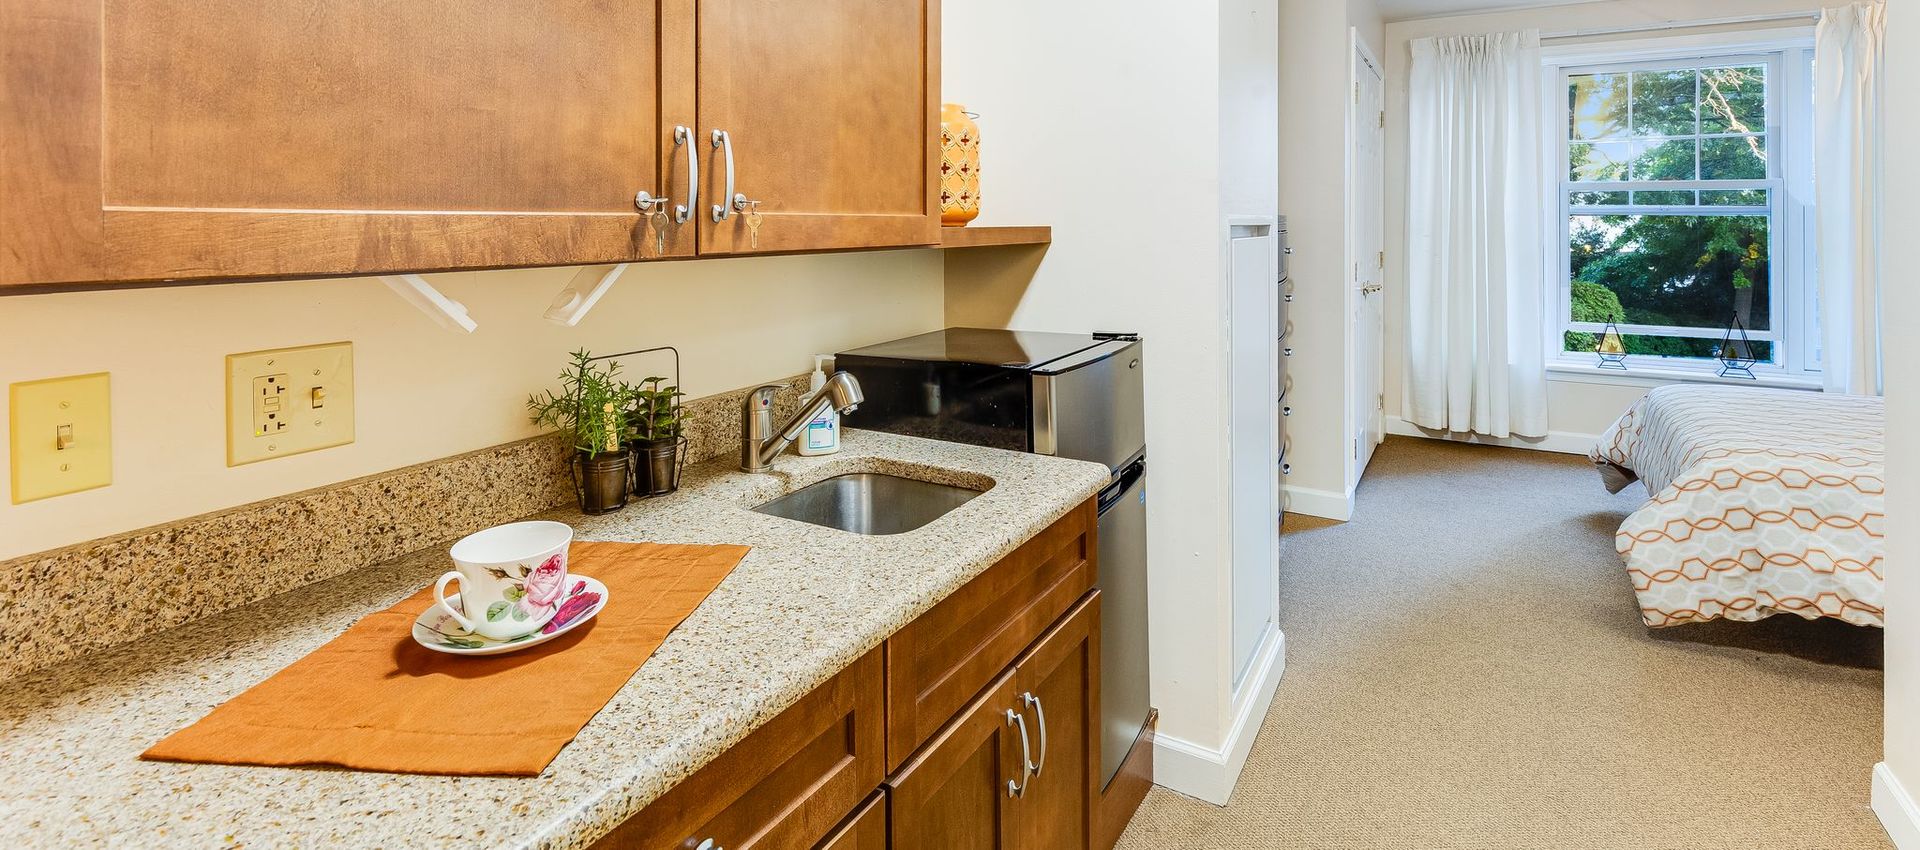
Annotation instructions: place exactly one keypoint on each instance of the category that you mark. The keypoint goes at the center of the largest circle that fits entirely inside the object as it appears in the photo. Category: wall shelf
(982, 237)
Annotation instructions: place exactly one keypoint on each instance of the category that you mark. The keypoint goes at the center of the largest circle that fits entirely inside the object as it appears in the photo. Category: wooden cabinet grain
(177, 140)
(865, 830)
(831, 109)
(955, 792)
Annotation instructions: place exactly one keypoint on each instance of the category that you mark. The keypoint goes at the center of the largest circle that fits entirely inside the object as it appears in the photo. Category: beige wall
(1315, 92)
(1576, 409)
(423, 392)
(1107, 126)
(1902, 660)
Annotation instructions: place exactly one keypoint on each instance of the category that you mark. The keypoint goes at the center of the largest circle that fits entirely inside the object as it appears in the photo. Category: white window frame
(1793, 325)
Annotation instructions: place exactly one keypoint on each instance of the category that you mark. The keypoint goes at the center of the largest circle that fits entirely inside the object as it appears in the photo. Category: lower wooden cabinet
(1010, 760)
(1016, 769)
(787, 785)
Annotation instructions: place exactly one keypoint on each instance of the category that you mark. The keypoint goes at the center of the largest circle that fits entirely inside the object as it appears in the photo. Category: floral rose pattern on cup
(535, 590)
(544, 583)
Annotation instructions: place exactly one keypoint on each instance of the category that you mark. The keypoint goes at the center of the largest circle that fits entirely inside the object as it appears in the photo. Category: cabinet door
(1057, 686)
(954, 794)
(163, 139)
(832, 112)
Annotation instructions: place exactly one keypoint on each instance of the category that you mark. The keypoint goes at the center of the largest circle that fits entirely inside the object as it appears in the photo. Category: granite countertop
(805, 603)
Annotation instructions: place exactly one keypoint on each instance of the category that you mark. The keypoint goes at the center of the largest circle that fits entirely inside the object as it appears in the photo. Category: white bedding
(1763, 502)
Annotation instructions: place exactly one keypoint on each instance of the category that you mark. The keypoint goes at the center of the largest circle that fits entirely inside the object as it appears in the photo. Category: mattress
(1762, 502)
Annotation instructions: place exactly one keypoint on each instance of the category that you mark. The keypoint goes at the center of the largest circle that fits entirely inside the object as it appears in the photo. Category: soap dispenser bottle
(822, 436)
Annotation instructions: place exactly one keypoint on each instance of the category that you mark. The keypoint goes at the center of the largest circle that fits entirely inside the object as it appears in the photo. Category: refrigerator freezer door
(1092, 406)
(1124, 693)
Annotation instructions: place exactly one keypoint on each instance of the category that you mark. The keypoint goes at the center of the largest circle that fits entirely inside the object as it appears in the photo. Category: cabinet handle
(682, 136)
(708, 845)
(1041, 712)
(1019, 789)
(725, 143)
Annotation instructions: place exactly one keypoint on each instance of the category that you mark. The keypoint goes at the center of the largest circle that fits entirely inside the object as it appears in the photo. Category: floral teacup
(512, 578)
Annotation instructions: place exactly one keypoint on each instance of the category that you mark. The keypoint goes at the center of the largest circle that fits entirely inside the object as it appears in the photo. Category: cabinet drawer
(786, 785)
(939, 662)
(866, 830)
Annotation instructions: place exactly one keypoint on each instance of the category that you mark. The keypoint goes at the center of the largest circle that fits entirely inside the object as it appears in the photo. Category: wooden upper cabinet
(832, 111)
(158, 139)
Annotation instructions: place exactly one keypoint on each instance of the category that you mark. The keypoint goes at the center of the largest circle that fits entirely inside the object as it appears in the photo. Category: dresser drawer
(940, 661)
(786, 785)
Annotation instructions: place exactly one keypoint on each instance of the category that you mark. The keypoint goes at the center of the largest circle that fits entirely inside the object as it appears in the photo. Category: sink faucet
(760, 443)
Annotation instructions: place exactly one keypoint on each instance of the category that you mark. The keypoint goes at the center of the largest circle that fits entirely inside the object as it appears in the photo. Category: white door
(1369, 266)
(1254, 430)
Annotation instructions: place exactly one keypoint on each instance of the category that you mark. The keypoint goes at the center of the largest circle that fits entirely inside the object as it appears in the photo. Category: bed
(1762, 502)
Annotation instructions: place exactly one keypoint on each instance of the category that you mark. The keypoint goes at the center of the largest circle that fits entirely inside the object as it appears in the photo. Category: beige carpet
(1466, 669)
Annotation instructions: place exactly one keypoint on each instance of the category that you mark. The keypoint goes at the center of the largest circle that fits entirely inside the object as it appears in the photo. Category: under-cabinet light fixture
(581, 293)
(415, 290)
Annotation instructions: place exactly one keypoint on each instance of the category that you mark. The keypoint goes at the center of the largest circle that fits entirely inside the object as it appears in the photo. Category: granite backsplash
(62, 603)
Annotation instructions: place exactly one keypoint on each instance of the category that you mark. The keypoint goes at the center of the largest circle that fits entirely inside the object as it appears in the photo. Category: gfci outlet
(289, 400)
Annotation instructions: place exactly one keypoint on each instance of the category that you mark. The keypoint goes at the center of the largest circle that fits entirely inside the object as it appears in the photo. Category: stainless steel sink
(869, 503)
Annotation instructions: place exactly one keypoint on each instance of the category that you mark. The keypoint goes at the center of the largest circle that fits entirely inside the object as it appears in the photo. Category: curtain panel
(1475, 242)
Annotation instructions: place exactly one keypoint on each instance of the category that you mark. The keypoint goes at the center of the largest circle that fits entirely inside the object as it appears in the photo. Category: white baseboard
(1896, 809)
(1207, 773)
(1320, 503)
(1564, 442)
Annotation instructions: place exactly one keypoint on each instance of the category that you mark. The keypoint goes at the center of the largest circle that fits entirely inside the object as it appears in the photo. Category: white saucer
(435, 630)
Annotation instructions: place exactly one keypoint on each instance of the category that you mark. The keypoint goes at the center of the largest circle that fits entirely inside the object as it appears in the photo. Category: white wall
(1107, 125)
(1901, 350)
(423, 392)
(1315, 92)
(1576, 409)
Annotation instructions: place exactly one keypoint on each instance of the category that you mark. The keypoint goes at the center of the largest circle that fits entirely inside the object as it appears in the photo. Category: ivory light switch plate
(61, 434)
(288, 400)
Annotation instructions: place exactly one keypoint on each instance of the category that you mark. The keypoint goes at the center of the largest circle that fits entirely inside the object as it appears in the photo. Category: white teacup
(512, 578)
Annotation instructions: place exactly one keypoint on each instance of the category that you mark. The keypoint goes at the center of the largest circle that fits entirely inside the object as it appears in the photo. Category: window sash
(1780, 314)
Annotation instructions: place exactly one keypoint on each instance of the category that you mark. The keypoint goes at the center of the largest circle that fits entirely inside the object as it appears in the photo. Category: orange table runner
(372, 699)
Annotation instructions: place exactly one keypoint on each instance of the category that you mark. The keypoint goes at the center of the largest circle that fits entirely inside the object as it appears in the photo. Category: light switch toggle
(63, 438)
(318, 398)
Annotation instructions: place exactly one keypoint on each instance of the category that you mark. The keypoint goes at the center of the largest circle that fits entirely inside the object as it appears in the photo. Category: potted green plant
(655, 432)
(591, 409)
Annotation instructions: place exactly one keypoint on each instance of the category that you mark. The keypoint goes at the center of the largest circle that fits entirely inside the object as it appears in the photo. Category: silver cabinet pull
(1041, 711)
(1019, 789)
(724, 143)
(709, 845)
(683, 136)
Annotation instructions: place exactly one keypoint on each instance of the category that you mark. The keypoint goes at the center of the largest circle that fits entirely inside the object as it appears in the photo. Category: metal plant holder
(1612, 349)
(655, 469)
(1736, 352)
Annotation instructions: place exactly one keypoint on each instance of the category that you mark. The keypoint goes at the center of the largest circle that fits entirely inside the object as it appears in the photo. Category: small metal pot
(656, 466)
(601, 481)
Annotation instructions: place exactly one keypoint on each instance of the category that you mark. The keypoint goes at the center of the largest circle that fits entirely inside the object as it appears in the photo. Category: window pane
(1592, 161)
(1733, 100)
(1664, 199)
(1599, 104)
(1591, 199)
(1663, 103)
(1694, 271)
(1734, 158)
(1644, 346)
(1665, 160)
(1734, 197)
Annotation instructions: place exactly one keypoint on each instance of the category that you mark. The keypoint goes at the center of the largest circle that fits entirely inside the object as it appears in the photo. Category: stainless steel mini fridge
(1072, 395)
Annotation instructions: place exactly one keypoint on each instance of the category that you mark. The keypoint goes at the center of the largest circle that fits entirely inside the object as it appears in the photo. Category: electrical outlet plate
(288, 401)
(61, 436)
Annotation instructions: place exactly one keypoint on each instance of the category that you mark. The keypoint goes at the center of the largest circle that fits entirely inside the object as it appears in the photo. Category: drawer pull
(1041, 711)
(1019, 789)
(709, 845)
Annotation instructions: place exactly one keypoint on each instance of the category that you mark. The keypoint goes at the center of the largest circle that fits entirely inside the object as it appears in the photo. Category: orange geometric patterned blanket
(1763, 502)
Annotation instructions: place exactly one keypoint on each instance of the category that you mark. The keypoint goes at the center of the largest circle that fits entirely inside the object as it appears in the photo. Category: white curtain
(1848, 57)
(1476, 207)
